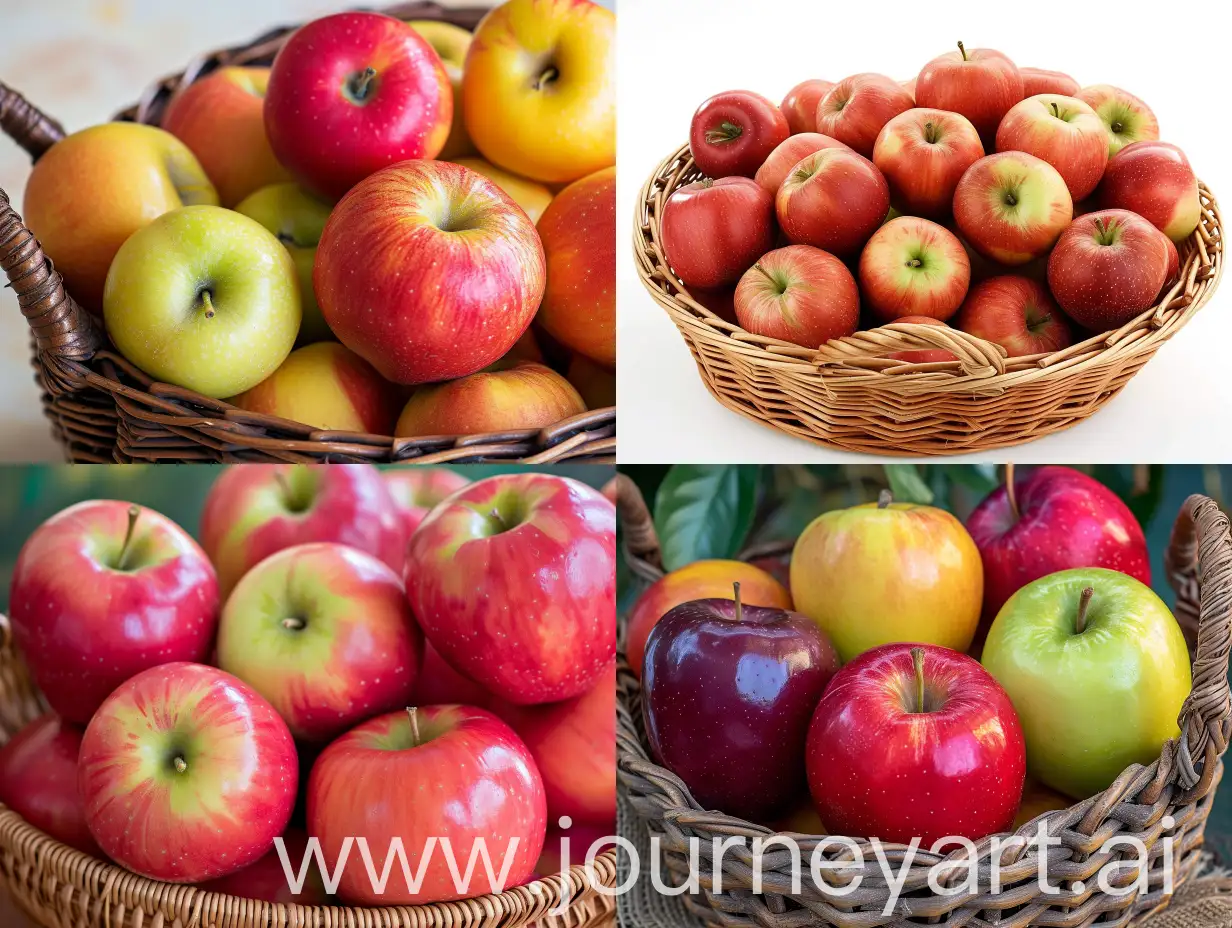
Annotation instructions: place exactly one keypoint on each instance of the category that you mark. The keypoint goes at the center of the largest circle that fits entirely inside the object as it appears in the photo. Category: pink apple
(1016, 313)
(1154, 180)
(713, 230)
(1012, 206)
(800, 104)
(854, 110)
(796, 148)
(416, 489)
(1126, 118)
(834, 200)
(922, 154)
(1040, 80)
(799, 294)
(981, 84)
(1063, 131)
(913, 267)
(438, 684)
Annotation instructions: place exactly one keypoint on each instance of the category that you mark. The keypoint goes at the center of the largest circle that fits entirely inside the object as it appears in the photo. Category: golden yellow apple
(531, 195)
(450, 42)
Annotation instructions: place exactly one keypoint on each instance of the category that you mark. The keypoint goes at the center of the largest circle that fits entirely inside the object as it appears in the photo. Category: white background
(675, 53)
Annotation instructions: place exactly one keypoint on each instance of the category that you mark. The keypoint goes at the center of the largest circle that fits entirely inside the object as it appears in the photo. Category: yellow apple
(95, 188)
(450, 42)
(539, 88)
(532, 196)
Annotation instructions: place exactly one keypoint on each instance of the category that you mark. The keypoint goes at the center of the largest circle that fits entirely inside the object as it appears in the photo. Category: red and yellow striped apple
(1063, 131)
(789, 153)
(800, 104)
(922, 154)
(1126, 118)
(416, 490)
(531, 195)
(1017, 313)
(1012, 206)
(451, 43)
(913, 267)
(1154, 180)
(1041, 80)
(980, 84)
(799, 294)
(856, 108)
(834, 200)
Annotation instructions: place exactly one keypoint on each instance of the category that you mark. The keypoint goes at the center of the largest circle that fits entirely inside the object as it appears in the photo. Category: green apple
(204, 298)
(1096, 668)
(297, 218)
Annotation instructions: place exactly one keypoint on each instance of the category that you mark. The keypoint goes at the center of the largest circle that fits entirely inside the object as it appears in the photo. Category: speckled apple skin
(1154, 180)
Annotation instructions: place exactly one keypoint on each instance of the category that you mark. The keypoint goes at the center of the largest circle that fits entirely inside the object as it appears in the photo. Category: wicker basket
(1181, 784)
(63, 888)
(849, 395)
(103, 409)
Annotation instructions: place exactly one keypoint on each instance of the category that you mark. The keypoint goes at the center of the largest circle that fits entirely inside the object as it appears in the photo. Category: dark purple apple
(727, 694)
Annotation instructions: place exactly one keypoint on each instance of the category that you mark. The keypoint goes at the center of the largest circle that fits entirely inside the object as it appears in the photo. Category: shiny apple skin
(474, 778)
(800, 104)
(878, 769)
(221, 814)
(38, 781)
(83, 627)
(438, 684)
(1066, 520)
(727, 702)
(416, 489)
(762, 126)
(513, 580)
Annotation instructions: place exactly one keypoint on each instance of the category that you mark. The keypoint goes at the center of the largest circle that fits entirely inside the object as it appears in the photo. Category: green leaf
(704, 511)
(907, 485)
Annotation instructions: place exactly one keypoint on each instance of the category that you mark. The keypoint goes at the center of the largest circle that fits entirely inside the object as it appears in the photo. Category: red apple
(916, 741)
(187, 774)
(581, 837)
(922, 355)
(1174, 265)
(854, 110)
(719, 300)
(733, 132)
(416, 490)
(1108, 267)
(1057, 519)
(796, 148)
(1012, 206)
(253, 511)
(981, 84)
(913, 267)
(1126, 117)
(102, 591)
(834, 200)
(1063, 131)
(922, 154)
(38, 781)
(1154, 180)
(1016, 313)
(352, 93)
(1040, 80)
(800, 104)
(428, 271)
(513, 581)
(799, 294)
(438, 684)
(267, 881)
(438, 773)
(713, 230)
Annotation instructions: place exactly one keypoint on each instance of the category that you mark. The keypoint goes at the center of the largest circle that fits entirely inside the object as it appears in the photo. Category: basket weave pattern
(1180, 784)
(848, 395)
(103, 409)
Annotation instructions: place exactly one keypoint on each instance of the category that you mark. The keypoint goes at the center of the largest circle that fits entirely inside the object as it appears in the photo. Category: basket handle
(638, 534)
(27, 125)
(1199, 565)
(976, 357)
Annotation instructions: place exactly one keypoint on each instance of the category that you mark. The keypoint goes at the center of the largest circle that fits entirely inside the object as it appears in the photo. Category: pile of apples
(1009, 201)
(927, 668)
(399, 228)
(347, 653)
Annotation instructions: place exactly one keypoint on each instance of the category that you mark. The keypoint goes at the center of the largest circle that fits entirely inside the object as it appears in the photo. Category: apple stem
(726, 132)
(884, 498)
(739, 605)
(294, 624)
(930, 133)
(1055, 110)
(917, 660)
(915, 262)
(498, 519)
(1010, 492)
(413, 712)
(963, 51)
(362, 83)
(208, 304)
(134, 512)
(179, 764)
(549, 75)
(1083, 602)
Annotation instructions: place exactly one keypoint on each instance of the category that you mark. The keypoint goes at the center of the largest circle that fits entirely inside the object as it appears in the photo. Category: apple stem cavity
(739, 605)
(1056, 111)
(917, 661)
(884, 498)
(361, 83)
(930, 133)
(726, 132)
(548, 76)
(1010, 493)
(962, 51)
(179, 764)
(134, 513)
(1084, 601)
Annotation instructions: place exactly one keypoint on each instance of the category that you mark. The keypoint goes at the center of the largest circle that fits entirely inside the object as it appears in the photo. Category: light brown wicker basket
(1180, 784)
(60, 887)
(104, 409)
(849, 395)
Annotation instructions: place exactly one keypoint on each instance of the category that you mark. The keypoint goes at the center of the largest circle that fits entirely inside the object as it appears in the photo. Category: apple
(438, 684)
(732, 133)
(595, 384)
(1174, 265)
(719, 300)
(886, 571)
(507, 397)
(254, 511)
(266, 881)
(788, 154)
(1098, 670)
(352, 93)
(38, 780)
(578, 231)
(713, 230)
(441, 772)
(855, 109)
(799, 294)
(539, 88)
(1108, 267)
(727, 694)
(922, 355)
(451, 43)
(1041, 80)
(800, 105)
(705, 579)
(1154, 180)
(1055, 519)
(328, 386)
(1063, 131)
(1036, 800)
(186, 774)
(134, 172)
(922, 154)
(574, 746)
(416, 489)
(834, 200)
(531, 195)
(323, 632)
(203, 298)
(980, 84)
(909, 86)
(916, 741)
(298, 218)
(103, 590)
(1016, 313)
(221, 119)
(913, 267)
(1012, 206)
(513, 581)
(452, 271)
(1126, 117)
